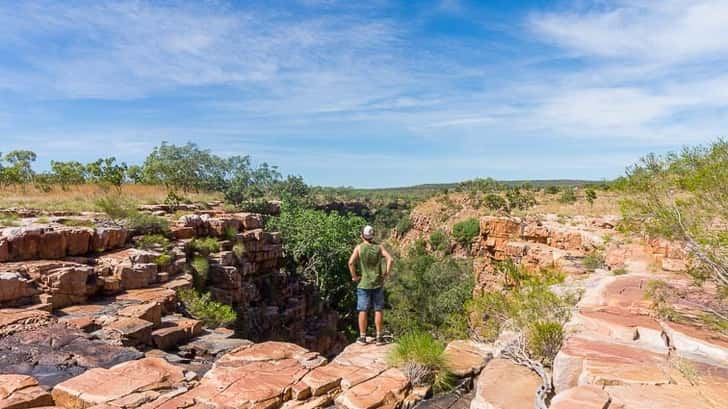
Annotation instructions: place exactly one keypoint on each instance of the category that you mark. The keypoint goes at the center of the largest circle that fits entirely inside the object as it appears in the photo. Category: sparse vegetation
(619, 271)
(204, 246)
(465, 231)
(422, 359)
(202, 307)
(439, 241)
(593, 261)
(404, 225)
(239, 250)
(163, 260)
(9, 220)
(77, 222)
(150, 241)
(531, 309)
(567, 196)
(200, 271)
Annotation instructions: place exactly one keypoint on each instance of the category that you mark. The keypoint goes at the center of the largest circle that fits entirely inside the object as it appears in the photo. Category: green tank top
(370, 264)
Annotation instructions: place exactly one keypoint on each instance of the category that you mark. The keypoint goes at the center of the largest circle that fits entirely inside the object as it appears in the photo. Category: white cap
(368, 232)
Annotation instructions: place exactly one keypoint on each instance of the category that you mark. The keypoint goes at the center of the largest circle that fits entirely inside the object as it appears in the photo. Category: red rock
(78, 241)
(659, 397)
(108, 238)
(14, 320)
(174, 333)
(258, 376)
(356, 364)
(130, 331)
(150, 311)
(182, 232)
(466, 358)
(505, 385)
(52, 245)
(99, 386)
(387, 388)
(22, 391)
(15, 289)
(4, 250)
(584, 361)
(250, 221)
(581, 397)
(23, 243)
(166, 297)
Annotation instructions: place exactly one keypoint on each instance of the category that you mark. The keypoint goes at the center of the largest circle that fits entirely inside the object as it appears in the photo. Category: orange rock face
(121, 382)
(22, 391)
(505, 385)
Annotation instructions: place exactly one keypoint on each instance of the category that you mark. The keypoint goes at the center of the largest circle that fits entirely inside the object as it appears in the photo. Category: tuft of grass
(230, 233)
(42, 220)
(150, 241)
(78, 223)
(544, 340)
(204, 308)
(163, 260)
(201, 270)
(619, 271)
(204, 246)
(9, 220)
(125, 211)
(423, 359)
(239, 250)
(593, 261)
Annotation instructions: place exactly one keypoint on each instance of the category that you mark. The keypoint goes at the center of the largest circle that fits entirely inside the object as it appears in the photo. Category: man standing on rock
(369, 291)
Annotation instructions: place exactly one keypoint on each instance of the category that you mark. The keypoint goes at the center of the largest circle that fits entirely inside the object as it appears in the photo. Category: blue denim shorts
(370, 299)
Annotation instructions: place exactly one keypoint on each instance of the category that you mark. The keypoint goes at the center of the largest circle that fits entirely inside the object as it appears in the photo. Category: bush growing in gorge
(465, 231)
(202, 307)
(428, 293)
(683, 196)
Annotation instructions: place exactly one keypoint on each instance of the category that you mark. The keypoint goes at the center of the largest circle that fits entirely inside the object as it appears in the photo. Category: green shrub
(230, 233)
(163, 260)
(567, 196)
(552, 190)
(202, 307)
(125, 211)
(150, 241)
(201, 270)
(428, 293)
(494, 202)
(404, 225)
(544, 340)
(239, 250)
(619, 271)
(533, 310)
(465, 231)
(204, 246)
(9, 220)
(439, 240)
(593, 261)
(590, 196)
(422, 358)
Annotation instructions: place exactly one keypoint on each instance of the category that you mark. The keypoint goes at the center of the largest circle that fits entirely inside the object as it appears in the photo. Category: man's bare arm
(390, 260)
(352, 264)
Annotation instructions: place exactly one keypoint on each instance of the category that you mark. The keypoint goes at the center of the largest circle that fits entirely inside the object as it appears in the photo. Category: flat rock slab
(466, 358)
(256, 376)
(581, 397)
(123, 383)
(22, 391)
(505, 385)
(387, 388)
(660, 397)
(57, 352)
(16, 320)
(356, 364)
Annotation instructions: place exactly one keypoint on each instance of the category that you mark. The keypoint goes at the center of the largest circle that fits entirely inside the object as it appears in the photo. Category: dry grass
(82, 198)
(606, 203)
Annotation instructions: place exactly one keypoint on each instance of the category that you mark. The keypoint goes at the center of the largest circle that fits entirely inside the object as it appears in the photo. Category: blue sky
(376, 93)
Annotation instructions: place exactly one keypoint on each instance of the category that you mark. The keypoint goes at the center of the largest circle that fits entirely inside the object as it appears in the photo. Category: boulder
(15, 289)
(4, 250)
(356, 364)
(175, 331)
(505, 385)
(22, 391)
(660, 397)
(120, 383)
(466, 358)
(149, 311)
(108, 238)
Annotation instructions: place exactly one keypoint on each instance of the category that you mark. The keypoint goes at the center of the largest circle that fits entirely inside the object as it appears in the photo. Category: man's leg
(379, 322)
(363, 323)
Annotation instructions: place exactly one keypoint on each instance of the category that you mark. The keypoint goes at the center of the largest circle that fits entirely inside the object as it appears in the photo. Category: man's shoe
(361, 340)
(381, 341)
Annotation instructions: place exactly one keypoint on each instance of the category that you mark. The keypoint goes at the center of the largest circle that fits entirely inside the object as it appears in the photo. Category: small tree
(465, 231)
(567, 196)
(19, 171)
(591, 195)
(106, 171)
(68, 173)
